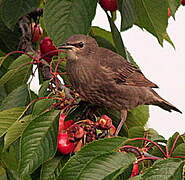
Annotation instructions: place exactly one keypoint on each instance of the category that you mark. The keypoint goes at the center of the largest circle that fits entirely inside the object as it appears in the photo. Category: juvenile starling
(105, 78)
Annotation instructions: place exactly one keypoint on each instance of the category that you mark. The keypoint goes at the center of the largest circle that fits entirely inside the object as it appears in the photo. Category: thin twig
(173, 146)
(154, 143)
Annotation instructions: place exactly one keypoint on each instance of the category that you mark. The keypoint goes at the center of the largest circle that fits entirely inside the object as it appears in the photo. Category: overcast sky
(162, 65)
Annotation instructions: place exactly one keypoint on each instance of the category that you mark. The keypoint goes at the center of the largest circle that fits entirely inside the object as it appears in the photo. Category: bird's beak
(65, 46)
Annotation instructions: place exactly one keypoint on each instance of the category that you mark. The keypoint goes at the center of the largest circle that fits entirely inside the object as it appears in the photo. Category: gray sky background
(162, 65)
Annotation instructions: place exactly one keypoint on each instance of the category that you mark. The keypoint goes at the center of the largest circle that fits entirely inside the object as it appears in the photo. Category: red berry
(183, 2)
(112, 130)
(169, 12)
(75, 132)
(36, 31)
(109, 5)
(78, 146)
(64, 145)
(47, 49)
(104, 122)
(135, 169)
(67, 124)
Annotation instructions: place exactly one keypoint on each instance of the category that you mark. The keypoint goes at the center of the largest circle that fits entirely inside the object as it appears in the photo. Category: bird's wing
(121, 70)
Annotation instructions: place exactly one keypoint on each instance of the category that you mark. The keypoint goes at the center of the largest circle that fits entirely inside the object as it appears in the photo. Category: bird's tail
(164, 104)
(167, 106)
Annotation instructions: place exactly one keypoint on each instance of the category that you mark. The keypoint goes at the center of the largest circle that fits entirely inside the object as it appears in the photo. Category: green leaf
(154, 136)
(138, 177)
(17, 98)
(131, 60)
(10, 157)
(13, 10)
(20, 61)
(152, 16)
(120, 174)
(18, 73)
(9, 75)
(13, 175)
(10, 160)
(179, 150)
(5, 62)
(103, 38)
(38, 142)
(97, 31)
(3, 94)
(3, 173)
(41, 106)
(168, 169)
(43, 91)
(105, 164)
(128, 14)
(120, 48)
(91, 155)
(174, 141)
(64, 18)
(16, 130)
(173, 5)
(9, 40)
(51, 169)
(137, 131)
(8, 117)
(138, 116)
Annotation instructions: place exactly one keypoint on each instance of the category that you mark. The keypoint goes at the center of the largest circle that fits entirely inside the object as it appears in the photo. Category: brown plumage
(105, 78)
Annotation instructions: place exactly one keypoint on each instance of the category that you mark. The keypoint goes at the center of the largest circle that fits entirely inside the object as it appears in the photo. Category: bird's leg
(123, 119)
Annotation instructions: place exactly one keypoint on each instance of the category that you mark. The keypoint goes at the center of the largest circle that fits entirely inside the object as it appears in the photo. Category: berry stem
(148, 158)
(173, 146)
(35, 100)
(20, 52)
(179, 157)
(167, 152)
(59, 61)
(132, 149)
(148, 140)
(53, 51)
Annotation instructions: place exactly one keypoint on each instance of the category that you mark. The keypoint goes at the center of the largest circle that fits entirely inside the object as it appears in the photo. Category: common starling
(105, 78)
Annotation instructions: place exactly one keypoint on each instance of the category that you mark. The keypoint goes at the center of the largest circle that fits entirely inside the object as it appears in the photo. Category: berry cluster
(47, 48)
(73, 135)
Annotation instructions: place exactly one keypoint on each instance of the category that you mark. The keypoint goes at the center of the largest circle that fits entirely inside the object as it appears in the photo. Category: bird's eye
(79, 45)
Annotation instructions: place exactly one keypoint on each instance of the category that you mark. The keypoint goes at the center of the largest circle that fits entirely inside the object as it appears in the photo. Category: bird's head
(79, 45)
